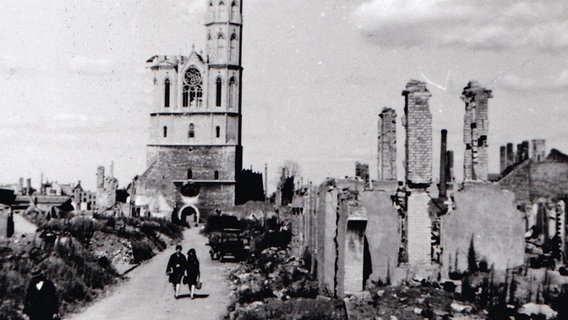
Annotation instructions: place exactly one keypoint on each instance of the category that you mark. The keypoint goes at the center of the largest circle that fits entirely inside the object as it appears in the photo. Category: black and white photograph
(287, 160)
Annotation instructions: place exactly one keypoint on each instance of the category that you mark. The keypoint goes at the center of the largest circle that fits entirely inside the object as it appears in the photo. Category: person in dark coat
(176, 269)
(192, 270)
(41, 302)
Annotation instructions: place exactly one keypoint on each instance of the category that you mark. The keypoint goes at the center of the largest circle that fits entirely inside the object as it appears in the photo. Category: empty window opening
(191, 132)
(167, 93)
(219, 85)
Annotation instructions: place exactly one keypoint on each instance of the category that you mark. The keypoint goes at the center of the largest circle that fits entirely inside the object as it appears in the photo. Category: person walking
(192, 270)
(175, 269)
(41, 302)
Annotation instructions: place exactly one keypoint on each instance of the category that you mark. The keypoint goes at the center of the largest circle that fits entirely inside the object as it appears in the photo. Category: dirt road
(148, 295)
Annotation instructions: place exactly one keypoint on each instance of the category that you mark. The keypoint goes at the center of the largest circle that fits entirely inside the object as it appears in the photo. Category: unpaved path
(148, 295)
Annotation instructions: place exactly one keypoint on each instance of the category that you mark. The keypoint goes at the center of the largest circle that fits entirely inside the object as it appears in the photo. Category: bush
(9, 310)
(298, 309)
(141, 250)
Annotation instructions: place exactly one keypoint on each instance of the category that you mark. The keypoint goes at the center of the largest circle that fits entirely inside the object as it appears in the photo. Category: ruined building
(475, 131)
(386, 155)
(194, 153)
(354, 234)
(106, 189)
(532, 175)
(362, 172)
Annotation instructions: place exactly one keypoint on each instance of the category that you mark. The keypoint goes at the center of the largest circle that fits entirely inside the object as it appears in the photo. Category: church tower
(195, 122)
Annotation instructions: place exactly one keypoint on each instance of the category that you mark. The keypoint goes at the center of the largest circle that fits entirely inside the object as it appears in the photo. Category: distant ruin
(388, 231)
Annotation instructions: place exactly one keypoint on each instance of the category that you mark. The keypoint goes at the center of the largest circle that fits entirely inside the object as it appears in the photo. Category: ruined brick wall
(538, 149)
(100, 177)
(362, 171)
(531, 180)
(502, 158)
(419, 228)
(418, 124)
(383, 233)
(510, 155)
(386, 155)
(548, 179)
(517, 181)
(490, 216)
(476, 130)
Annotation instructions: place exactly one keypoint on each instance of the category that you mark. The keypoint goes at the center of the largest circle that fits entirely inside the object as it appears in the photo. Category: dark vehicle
(228, 239)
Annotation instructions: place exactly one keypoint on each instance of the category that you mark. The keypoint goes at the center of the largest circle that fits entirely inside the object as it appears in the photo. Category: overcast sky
(75, 93)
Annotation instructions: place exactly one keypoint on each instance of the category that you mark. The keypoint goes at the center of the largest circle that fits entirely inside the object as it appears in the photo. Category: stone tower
(195, 123)
(386, 155)
(476, 129)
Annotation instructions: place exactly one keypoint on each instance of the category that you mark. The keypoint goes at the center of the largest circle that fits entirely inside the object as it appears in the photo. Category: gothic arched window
(189, 174)
(192, 88)
(165, 131)
(233, 93)
(217, 131)
(216, 175)
(191, 132)
(167, 93)
(233, 10)
(221, 54)
(218, 89)
(233, 48)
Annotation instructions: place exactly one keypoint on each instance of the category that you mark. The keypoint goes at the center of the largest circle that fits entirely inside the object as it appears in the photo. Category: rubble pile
(274, 285)
(408, 302)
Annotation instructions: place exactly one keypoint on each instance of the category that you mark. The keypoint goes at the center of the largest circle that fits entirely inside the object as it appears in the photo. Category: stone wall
(518, 182)
(476, 130)
(419, 228)
(489, 216)
(326, 248)
(548, 179)
(386, 155)
(174, 163)
(531, 180)
(382, 232)
(418, 124)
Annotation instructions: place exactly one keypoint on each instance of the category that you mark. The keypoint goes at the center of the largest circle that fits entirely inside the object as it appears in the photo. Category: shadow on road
(195, 295)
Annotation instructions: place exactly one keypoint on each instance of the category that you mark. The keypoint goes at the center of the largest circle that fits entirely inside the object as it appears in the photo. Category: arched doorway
(189, 210)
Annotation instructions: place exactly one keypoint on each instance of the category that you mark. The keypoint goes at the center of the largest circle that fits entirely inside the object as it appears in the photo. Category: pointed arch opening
(189, 174)
(233, 49)
(233, 11)
(233, 93)
(192, 94)
(216, 175)
(165, 131)
(217, 131)
(218, 91)
(221, 54)
(167, 93)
